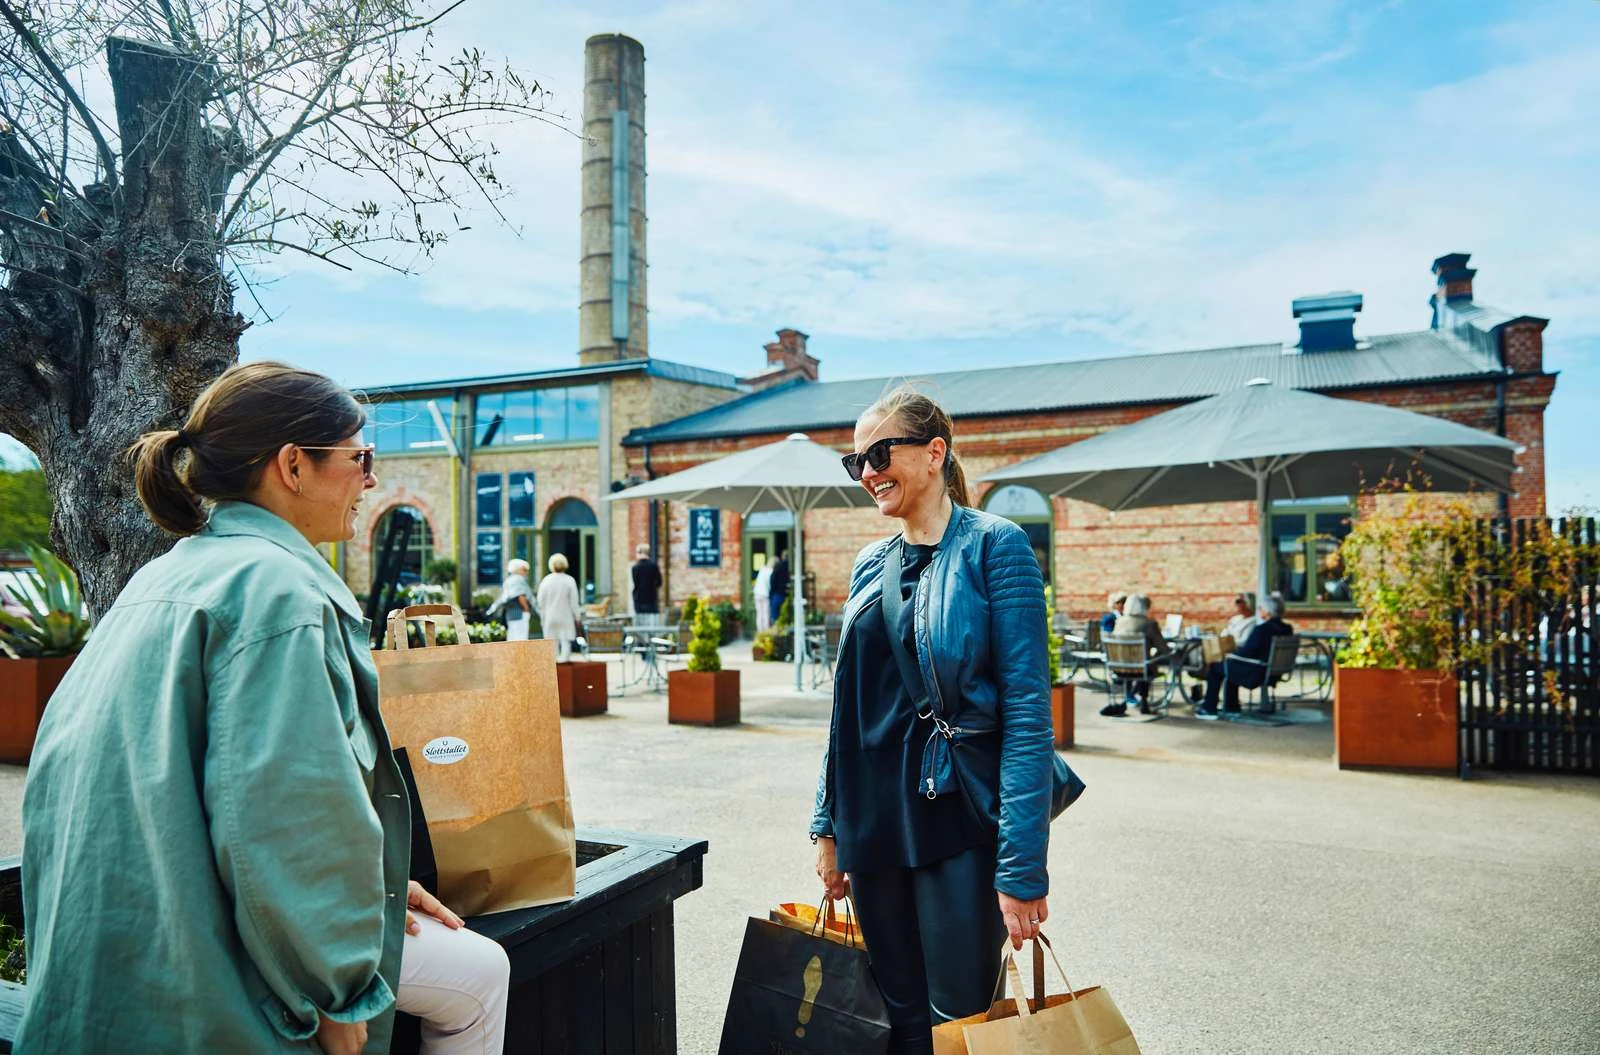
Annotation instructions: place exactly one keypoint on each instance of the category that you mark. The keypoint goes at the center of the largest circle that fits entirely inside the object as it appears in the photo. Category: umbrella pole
(797, 584)
(1263, 554)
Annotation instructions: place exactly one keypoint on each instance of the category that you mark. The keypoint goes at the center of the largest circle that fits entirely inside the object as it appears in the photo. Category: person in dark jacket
(646, 582)
(1116, 601)
(933, 802)
(1257, 646)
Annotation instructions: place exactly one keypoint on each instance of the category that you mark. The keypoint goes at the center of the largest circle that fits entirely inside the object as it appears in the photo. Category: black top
(879, 818)
(780, 578)
(646, 586)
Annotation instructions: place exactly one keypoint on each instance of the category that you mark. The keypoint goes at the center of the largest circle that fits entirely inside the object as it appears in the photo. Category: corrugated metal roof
(1167, 377)
(662, 368)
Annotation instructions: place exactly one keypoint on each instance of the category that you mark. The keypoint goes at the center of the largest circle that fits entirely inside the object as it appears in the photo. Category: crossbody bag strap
(892, 605)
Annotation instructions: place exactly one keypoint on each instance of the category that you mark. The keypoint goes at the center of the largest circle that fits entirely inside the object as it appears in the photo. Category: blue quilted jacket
(981, 645)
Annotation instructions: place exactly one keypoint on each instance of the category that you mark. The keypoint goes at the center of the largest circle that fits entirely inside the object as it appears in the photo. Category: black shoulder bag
(939, 772)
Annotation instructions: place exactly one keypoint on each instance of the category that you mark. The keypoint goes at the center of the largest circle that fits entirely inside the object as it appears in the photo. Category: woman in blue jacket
(933, 806)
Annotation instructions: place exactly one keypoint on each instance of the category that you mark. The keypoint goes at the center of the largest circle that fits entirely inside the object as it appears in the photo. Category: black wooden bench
(594, 974)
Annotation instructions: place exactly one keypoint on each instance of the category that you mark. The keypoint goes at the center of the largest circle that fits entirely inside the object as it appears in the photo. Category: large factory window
(537, 415)
(407, 426)
(1305, 550)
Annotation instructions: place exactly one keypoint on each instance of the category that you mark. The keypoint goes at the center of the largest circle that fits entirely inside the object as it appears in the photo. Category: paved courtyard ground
(1233, 890)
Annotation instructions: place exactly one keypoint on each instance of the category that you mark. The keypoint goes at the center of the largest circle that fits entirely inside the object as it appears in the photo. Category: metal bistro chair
(1080, 651)
(601, 641)
(1280, 665)
(1128, 659)
(671, 644)
(822, 649)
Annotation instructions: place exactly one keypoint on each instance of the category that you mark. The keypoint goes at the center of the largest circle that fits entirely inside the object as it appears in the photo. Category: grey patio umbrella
(794, 474)
(1260, 440)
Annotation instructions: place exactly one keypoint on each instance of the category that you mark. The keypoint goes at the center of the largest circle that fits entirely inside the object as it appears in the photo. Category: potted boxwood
(704, 694)
(763, 646)
(42, 629)
(1416, 567)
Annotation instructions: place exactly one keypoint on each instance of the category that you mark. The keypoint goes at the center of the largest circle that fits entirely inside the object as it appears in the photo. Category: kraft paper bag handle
(1014, 976)
(395, 638)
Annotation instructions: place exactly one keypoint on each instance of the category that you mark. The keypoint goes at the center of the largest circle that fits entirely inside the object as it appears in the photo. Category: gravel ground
(1232, 889)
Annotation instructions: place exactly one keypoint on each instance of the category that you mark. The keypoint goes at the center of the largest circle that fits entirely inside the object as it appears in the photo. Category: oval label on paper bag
(445, 750)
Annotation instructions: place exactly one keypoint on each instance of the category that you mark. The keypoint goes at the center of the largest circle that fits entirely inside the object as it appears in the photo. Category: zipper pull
(931, 793)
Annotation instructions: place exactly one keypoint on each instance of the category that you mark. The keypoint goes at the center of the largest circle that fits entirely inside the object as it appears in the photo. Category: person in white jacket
(559, 608)
(763, 597)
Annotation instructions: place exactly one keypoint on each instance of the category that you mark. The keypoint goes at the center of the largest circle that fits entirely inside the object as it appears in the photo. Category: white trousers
(563, 649)
(457, 982)
(517, 629)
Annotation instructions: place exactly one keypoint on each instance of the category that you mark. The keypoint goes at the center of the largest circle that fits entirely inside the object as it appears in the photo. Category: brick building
(518, 465)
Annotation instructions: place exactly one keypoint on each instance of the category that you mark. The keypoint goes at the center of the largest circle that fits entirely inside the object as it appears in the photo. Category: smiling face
(331, 488)
(914, 475)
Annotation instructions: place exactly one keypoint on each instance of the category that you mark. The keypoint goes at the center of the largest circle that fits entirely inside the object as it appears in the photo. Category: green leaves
(49, 618)
(703, 657)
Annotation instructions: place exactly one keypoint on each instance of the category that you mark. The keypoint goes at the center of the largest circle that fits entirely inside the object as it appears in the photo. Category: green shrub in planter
(690, 608)
(728, 615)
(703, 657)
(441, 571)
(52, 620)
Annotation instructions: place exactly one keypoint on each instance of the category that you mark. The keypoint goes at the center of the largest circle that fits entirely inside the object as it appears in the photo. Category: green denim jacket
(216, 838)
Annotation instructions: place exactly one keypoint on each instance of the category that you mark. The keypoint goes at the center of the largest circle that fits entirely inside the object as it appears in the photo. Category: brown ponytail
(167, 500)
(923, 418)
(237, 424)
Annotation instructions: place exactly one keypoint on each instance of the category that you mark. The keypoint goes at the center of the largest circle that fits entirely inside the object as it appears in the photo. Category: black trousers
(934, 935)
(1215, 676)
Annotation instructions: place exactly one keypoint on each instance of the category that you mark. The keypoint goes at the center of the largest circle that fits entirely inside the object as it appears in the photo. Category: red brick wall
(1522, 346)
(1189, 559)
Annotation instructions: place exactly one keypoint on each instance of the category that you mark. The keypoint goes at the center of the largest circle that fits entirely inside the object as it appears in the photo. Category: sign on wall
(491, 557)
(519, 499)
(489, 489)
(705, 538)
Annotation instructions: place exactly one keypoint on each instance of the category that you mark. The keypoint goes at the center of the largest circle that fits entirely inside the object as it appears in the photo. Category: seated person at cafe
(1256, 646)
(1114, 602)
(1239, 626)
(1136, 621)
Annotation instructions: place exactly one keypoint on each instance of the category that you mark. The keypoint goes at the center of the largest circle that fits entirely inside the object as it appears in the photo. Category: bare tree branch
(107, 159)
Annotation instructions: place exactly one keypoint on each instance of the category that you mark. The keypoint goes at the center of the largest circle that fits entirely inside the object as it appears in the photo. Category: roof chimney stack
(1453, 285)
(1328, 321)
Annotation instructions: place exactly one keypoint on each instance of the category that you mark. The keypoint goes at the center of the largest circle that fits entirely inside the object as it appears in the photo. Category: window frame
(1308, 509)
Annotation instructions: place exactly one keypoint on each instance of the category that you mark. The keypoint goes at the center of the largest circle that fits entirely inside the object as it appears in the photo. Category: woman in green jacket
(215, 833)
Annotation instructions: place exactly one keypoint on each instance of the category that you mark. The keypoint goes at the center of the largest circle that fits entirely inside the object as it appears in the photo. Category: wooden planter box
(25, 687)
(1395, 719)
(703, 699)
(582, 686)
(1062, 720)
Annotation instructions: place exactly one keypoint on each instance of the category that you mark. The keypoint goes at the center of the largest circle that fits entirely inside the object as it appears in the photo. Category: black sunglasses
(877, 454)
(364, 455)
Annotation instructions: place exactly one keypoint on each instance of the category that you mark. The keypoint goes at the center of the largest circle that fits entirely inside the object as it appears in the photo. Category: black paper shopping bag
(794, 994)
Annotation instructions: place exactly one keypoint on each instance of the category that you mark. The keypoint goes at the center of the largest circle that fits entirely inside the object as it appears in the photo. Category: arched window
(418, 549)
(1031, 511)
(571, 528)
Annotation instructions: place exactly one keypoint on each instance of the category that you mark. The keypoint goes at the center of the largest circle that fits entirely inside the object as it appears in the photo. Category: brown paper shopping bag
(823, 923)
(1215, 649)
(482, 726)
(1084, 1022)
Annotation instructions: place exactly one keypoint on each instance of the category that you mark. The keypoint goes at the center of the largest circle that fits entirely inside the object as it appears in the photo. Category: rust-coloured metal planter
(582, 686)
(703, 699)
(25, 687)
(1395, 719)
(1062, 698)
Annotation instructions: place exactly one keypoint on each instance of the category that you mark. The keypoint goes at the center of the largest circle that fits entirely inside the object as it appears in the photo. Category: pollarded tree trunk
(120, 314)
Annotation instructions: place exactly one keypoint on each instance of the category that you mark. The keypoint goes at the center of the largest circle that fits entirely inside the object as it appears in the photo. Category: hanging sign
(705, 538)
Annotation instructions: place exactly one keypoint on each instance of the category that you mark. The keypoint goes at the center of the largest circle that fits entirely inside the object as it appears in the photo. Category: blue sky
(925, 186)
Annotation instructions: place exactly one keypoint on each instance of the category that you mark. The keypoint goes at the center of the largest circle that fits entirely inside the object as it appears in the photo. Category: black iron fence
(1534, 702)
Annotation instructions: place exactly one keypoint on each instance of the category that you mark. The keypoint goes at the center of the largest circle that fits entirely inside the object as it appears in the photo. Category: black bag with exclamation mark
(798, 993)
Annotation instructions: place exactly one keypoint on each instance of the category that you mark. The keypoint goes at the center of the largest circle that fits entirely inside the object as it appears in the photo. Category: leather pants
(934, 935)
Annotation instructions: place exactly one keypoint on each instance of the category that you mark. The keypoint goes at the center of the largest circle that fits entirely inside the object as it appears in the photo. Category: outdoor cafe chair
(1080, 651)
(1280, 665)
(822, 648)
(1128, 659)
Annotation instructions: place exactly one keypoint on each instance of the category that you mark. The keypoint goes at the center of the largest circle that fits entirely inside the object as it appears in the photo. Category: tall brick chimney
(787, 359)
(1453, 284)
